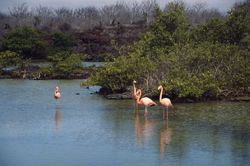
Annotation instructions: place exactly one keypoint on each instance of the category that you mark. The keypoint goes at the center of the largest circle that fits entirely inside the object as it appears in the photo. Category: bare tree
(64, 14)
(199, 14)
(5, 25)
(122, 12)
(44, 12)
(20, 11)
(108, 14)
(86, 18)
(135, 12)
(21, 14)
(44, 18)
(148, 7)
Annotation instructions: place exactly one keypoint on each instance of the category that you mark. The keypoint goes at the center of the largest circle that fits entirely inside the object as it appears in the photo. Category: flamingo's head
(160, 87)
(134, 82)
(57, 88)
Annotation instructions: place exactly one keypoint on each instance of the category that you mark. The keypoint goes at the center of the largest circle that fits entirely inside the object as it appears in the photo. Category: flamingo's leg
(146, 111)
(167, 113)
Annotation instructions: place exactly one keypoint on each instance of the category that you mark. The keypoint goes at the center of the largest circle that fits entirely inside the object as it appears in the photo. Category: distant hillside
(100, 40)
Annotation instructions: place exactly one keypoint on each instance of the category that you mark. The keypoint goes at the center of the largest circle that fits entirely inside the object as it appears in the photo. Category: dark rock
(92, 93)
(189, 100)
(242, 98)
(118, 96)
(104, 91)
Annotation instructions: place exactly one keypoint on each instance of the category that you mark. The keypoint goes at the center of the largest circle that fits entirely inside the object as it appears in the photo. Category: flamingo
(57, 94)
(166, 102)
(147, 102)
(135, 93)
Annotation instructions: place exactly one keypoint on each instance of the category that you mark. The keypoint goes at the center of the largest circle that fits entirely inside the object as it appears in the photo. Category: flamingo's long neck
(134, 88)
(139, 97)
(161, 94)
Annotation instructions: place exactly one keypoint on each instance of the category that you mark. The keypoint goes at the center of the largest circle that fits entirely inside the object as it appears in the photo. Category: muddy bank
(34, 73)
(128, 95)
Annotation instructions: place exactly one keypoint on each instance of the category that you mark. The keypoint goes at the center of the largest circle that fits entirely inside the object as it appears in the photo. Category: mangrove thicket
(204, 61)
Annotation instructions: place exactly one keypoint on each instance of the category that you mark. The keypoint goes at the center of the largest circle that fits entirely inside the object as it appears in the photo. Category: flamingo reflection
(165, 137)
(143, 128)
(57, 118)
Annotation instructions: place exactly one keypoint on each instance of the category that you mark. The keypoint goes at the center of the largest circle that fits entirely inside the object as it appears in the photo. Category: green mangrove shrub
(27, 42)
(9, 59)
(65, 63)
(195, 62)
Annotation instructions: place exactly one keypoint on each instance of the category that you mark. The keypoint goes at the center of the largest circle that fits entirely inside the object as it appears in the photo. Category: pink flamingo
(135, 94)
(147, 102)
(57, 94)
(166, 102)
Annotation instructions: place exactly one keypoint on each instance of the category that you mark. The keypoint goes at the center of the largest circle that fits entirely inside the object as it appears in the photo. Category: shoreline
(83, 73)
(127, 94)
(245, 98)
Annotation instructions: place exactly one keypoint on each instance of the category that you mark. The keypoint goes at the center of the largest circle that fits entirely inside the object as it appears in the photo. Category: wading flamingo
(135, 94)
(147, 102)
(57, 93)
(164, 102)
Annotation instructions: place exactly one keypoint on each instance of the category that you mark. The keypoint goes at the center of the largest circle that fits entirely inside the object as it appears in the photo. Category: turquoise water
(86, 129)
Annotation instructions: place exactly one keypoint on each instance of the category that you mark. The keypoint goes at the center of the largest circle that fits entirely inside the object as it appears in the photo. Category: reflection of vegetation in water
(240, 143)
(210, 128)
(202, 126)
(216, 114)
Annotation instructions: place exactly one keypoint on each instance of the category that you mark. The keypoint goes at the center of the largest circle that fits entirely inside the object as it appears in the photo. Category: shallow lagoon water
(88, 129)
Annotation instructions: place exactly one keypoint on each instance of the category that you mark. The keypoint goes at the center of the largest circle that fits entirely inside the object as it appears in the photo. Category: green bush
(65, 63)
(61, 42)
(120, 73)
(43, 72)
(193, 86)
(9, 59)
(27, 42)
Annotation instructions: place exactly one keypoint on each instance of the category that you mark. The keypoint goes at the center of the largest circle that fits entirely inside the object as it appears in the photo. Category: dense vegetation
(25, 41)
(25, 44)
(198, 62)
(39, 32)
(193, 52)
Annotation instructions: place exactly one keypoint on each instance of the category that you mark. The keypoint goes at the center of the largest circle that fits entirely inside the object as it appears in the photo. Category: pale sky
(222, 5)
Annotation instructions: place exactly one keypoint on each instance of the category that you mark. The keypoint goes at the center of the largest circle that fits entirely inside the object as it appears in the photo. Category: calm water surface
(86, 129)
